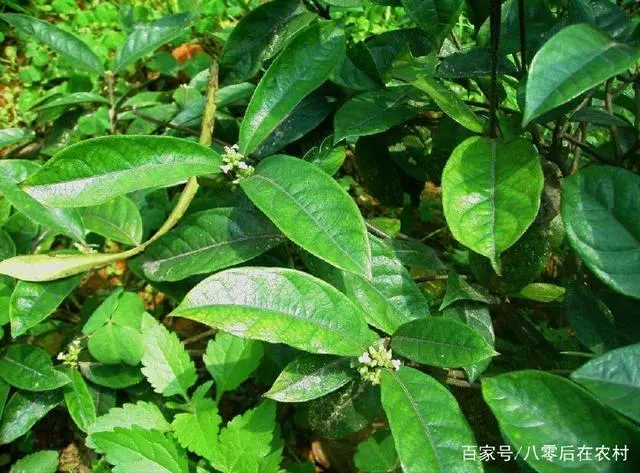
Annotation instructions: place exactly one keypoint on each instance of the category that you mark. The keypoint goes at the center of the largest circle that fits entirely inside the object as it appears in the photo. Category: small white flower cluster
(374, 360)
(70, 357)
(234, 164)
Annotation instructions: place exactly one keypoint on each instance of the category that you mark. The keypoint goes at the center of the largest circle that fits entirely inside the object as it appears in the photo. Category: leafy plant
(387, 239)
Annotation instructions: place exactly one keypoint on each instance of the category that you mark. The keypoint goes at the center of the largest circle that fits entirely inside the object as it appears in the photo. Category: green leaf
(116, 165)
(614, 378)
(440, 341)
(417, 255)
(76, 98)
(436, 17)
(427, 424)
(23, 410)
(197, 429)
(326, 156)
(534, 408)
(446, 99)
(542, 292)
(166, 363)
(118, 219)
(29, 367)
(208, 241)
(147, 38)
(602, 14)
(256, 37)
(491, 193)
(33, 302)
(320, 48)
(279, 305)
(7, 246)
(64, 221)
(111, 376)
(231, 360)
(314, 212)
(311, 376)
(245, 443)
(4, 394)
(373, 112)
(79, 401)
(599, 206)
(62, 42)
(145, 415)
(12, 136)
(574, 60)
(136, 449)
(17, 170)
(44, 461)
(377, 454)
(460, 290)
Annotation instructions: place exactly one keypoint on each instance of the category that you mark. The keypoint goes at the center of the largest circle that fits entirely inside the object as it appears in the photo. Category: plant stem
(110, 81)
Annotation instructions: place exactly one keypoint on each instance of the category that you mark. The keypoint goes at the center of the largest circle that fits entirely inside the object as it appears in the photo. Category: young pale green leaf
(145, 415)
(491, 193)
(111, 376)
(14, 136)
(136, 449)
(29, 367)
(64, 221)
(62, 42)
(373, 112)
(95, 171)
(44, 461)
(166, 363)
(599, 209)
(33, 302)
(614, 378)
(76, 98)
(427, 424)
(255, 37)
(311, 376)
(436, 17)
(304, 64)
(208, 241)
(377, 454)
(460, 290)
(534, 408)
(230, 360)
(574, 60)
(118, 219)
(279, 305)
(197, 429)
(145, 39)
(440, 341)
(314, 212)
(79, 401)
(23, 410)
(542, 292)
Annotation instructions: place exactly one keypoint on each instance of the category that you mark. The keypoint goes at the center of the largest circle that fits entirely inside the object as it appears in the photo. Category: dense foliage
(255, 237)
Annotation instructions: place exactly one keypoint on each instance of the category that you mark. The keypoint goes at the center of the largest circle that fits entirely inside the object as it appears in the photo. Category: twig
(163, 123)
(200, 336)
(584, 147)
(615, 134)
(380, 234)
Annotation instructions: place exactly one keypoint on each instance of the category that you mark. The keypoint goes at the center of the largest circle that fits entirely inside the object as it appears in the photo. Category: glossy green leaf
(12, 136)
(326, 156)
(208, 241)
(17, 170)
(602, 14)
(311, 376)
(427, 424)
(144, 39)
(166, 363)
(377, 454)
(459, 289)
(304, 64)
(373, 112)
(33, 302)
(599, 206)
(118, 219)
(116, 165)
(280, 306)
(436, 17)
(29, 367)
(614, 378)
(441, 341)
(542, 292)
(491, 193)
(44, 461)
(111, 376)
(64, 221)
(62, 42)
(135, 449)
(231, 360)
(79, 401)
(23, 410)
(76, 98)
(7, 246)
(145, 415)
(534, 408)
(574, 60)
(417, 255)
(315, 213)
